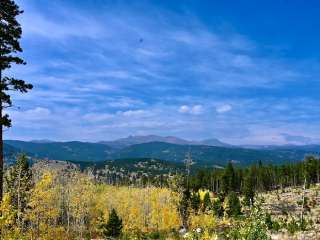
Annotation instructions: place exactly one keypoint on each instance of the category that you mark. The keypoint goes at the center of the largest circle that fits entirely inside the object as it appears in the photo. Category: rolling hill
(202, 154)
(148, 165)
(208, 155)
(10, 154)
(81, 151)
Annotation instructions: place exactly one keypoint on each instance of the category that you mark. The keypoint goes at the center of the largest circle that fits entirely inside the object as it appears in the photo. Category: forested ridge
(262, 177)
(204, 155)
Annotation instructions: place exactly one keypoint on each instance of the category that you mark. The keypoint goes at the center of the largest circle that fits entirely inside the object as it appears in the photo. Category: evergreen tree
(229, 179)
(217, 207)
(310, 171)
(114, 226)
(10, 34)
(206, 205)
(184, 208)
(248, 189)
(263, 178)
(195, 202)
(233, 208)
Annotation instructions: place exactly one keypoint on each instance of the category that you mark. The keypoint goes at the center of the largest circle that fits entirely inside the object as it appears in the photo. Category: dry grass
(285, 205)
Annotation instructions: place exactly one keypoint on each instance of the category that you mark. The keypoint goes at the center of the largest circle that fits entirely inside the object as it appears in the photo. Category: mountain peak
(214, 142)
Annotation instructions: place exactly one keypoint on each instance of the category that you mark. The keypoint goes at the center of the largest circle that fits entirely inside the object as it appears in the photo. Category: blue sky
(246, 72)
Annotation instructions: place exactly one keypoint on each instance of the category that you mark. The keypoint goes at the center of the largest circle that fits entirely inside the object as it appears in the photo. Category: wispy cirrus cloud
(195, 110)
(223, 108)
(116, 70)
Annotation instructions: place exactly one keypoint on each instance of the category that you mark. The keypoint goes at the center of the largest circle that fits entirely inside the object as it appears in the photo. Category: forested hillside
(10, 154)
(203, 155)
(136, 171)
(209, 155)
(81, 151)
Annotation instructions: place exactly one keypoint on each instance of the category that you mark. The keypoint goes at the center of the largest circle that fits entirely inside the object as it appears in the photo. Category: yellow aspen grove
(7, 220)
(44, 206)
(148, 209)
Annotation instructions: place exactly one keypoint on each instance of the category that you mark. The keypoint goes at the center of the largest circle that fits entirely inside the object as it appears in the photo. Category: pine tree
(233, 208)
(248, 189)
(113, 227)
(195, 202)
(10, 34)
(206, 205)
(184, 208)
(217, 207)
(229, 179)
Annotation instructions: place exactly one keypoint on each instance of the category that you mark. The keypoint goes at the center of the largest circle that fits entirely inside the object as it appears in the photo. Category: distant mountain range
(133, 140)
(312, 148)
(206, 153)
(210, 155)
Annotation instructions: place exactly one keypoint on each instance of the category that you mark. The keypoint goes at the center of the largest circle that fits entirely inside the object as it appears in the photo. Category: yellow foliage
(8, 214)
(145, 209)
(43, 200)
(202, 193)
(203, 221)
(209, 236)
(72, 206)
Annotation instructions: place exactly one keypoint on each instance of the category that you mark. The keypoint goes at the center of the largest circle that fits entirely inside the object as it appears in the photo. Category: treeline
(235, 188)
(258, 177)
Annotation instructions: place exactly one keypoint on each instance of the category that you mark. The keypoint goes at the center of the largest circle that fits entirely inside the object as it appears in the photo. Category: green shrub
(296, 225)
(272, 224)
(217, 208)
(252, 227)
(156, 235)
(206, 205)
(195, 202)
(276, 226)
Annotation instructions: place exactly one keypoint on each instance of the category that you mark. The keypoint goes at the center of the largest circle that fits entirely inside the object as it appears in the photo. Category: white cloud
(95, 87)
(138, 85)
(184, 109)
(223, 108)
(125, 102)
(134, 113)
(195, 110)
(97, 117)
(38, 113)
(37, 24)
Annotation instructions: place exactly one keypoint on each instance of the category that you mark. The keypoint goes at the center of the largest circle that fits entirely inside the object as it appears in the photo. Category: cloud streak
(114, 71)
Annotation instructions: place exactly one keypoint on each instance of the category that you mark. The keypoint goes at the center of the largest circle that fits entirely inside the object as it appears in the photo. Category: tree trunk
(19, 197)
(1, 147)
(303, 199)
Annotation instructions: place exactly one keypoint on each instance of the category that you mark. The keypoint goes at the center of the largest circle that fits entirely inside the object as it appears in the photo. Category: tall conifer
(10, 34)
